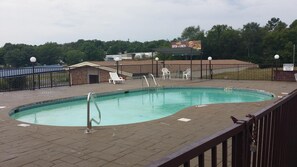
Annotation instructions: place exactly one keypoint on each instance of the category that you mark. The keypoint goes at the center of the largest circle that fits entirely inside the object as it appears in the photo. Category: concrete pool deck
(125, 145)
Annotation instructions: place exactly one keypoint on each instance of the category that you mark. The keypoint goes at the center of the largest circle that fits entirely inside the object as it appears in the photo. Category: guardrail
(267, 138)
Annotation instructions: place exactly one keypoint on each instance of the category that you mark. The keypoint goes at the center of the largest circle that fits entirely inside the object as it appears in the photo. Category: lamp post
(201, 65)
(33, 60)
(210, 70)
(117, 59)
(276, 57)
(157, 59)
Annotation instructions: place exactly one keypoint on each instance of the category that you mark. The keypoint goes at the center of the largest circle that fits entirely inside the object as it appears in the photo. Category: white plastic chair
(187, 73)
(166, 73)
(295, 76)
(114, 78)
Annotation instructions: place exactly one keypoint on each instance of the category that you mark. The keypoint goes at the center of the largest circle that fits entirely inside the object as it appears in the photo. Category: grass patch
(246, 74)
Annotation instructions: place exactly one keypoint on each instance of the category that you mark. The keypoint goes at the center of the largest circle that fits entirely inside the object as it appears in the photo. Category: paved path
(125, 145)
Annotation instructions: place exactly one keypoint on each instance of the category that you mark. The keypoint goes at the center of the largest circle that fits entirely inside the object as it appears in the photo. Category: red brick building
(89, 73)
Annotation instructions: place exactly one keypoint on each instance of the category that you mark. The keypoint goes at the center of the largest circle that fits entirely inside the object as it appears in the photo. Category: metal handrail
(154, 79)
(89, 121)
(146, 80)
(148, 84)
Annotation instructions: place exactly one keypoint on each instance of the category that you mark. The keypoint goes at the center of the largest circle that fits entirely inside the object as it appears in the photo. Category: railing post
(240, 149)
(214, 156)
(224, 153)
(187, 164)
(201, 160)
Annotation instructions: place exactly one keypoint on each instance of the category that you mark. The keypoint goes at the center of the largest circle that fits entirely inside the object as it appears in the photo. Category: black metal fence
(206, 71)
(33, 78)
(266, 139)
(48, 76)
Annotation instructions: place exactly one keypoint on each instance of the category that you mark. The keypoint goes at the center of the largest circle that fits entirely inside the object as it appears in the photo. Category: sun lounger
(114, 78)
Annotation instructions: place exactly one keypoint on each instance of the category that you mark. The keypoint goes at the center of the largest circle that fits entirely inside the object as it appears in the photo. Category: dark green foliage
(74, 56)
(49, 53)
(252, 43)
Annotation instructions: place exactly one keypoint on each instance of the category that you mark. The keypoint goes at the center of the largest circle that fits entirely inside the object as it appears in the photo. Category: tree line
(251, 43)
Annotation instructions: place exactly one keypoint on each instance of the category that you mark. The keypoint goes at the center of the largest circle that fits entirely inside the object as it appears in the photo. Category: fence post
(51, 78)
(69, 76)
(237, 71)
(179, 72)
(140, 69)
(272, 73)
(206, 69)
(38, 81)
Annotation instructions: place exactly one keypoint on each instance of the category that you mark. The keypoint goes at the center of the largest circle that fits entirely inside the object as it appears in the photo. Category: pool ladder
(90, 120)
(146, 80)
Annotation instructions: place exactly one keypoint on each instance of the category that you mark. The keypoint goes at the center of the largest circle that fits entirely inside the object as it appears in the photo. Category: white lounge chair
(295, 76)
(187, 73)
(166, 73)
(114, 78)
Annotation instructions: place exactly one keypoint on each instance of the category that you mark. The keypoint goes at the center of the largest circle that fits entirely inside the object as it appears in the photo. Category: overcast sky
(36, 22)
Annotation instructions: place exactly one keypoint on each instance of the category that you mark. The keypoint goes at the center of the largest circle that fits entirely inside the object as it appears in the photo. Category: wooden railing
(266, 139)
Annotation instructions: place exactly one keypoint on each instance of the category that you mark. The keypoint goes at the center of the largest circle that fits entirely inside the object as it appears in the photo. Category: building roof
(98, 66)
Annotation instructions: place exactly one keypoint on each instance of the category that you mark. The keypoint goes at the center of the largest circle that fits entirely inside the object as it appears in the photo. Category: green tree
(232, 44)
(74, 56)
(2, 56)
(18, 55)
(279, 42)
(92, 51)
(215, 41)
(275, 24)
(49, 53)
(293, 25)
(193, 33)
(252, 36)
(14, 58)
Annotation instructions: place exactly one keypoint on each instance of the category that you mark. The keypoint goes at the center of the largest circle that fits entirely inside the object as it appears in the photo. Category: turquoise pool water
(128, 107)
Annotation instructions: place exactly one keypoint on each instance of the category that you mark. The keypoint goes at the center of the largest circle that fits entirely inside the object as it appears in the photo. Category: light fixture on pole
(276, 57)
(117, 59)
(33, 61)
(157, 59)
(201, 65)
(210, 70)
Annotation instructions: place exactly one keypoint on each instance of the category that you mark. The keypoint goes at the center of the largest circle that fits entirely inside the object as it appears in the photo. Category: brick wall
(104, 76)
(80, 75)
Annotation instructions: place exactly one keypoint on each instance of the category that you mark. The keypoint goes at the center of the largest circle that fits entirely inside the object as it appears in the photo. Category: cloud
(40, 21)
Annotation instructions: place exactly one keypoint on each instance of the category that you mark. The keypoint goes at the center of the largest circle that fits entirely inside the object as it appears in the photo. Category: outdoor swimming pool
(126, 107)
